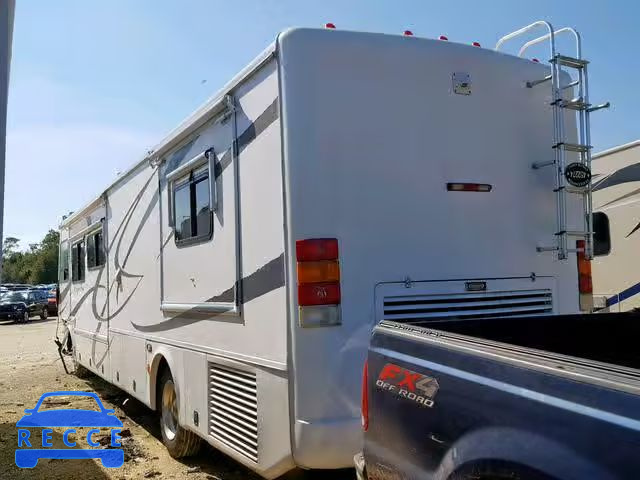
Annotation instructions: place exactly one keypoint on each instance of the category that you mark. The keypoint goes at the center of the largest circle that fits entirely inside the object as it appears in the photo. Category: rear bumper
(327, 444)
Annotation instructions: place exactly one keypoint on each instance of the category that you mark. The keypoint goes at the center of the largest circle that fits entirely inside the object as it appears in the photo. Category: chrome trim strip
(206, 307)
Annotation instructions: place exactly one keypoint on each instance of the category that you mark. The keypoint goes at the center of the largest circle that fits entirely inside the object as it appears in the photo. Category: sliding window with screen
(192, 207)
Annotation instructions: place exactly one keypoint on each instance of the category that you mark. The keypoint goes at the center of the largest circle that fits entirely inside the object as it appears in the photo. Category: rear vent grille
(233, 409)
(468, 305)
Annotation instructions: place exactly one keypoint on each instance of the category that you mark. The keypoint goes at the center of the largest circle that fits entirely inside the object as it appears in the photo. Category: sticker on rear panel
(408, 384)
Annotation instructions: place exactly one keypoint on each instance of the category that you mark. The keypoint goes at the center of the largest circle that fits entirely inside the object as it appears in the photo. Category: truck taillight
(584, 269)
(585, 284)
(365, 397)
(318, 271)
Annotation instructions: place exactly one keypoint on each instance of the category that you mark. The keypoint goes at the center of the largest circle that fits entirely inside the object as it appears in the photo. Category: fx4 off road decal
(404, 383)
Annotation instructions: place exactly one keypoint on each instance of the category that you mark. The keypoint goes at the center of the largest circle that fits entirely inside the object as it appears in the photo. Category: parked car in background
(21, 305)
(51, 291)
(16, 286)
(52, 300)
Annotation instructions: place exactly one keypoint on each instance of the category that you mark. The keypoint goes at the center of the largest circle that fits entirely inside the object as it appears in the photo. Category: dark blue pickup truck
(546, 397)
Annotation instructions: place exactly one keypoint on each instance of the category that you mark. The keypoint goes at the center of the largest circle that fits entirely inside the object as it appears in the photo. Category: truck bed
(608, 337)
(545, 397)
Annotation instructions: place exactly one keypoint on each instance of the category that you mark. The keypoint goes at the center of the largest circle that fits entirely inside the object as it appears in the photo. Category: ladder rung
(533, 83)
(569, 61)
(547, 249)
(573, 147)
(574, 233)
(576, 190)
(575, 250)
(575, 104)
(570, 84)
(598, 107)
(538, 165)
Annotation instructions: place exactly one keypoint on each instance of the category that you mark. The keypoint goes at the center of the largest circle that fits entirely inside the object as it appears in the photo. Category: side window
(192, 207)
(95, 250)
(77, 262)
(63, 262)
(601, 234)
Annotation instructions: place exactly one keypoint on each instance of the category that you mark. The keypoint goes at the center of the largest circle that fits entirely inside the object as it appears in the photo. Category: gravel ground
(29, 366)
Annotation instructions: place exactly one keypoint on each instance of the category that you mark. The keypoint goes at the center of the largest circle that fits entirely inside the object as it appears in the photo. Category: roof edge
(183, 127)
(617, 149)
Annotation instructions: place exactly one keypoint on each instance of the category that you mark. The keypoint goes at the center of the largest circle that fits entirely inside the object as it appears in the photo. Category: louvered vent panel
(233, 409)
(468, 305)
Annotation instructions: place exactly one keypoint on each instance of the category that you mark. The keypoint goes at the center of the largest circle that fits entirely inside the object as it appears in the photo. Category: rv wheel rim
(169, 410)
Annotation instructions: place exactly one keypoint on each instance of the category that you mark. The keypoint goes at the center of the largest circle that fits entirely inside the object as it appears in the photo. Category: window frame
(604, 220)
(189, 175)
(100, 253)
(63, 262)
(81, 261)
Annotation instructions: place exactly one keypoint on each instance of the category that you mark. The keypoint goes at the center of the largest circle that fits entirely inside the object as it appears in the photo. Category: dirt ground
(29, 367)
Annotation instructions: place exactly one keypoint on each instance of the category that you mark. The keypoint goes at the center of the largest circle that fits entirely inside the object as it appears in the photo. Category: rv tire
(179, 441)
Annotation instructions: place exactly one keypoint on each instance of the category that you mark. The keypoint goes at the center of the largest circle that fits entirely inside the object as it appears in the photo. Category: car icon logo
(27, 457)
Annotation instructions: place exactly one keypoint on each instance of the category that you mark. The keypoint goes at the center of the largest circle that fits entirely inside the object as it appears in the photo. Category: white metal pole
(7, 11)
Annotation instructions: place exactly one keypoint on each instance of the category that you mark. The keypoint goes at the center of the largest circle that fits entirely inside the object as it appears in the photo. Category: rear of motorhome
(232, 277)
(616, 194)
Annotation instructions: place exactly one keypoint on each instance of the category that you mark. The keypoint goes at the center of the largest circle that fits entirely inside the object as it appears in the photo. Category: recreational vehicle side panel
(616, 192)
(134, 297)
(88, 291)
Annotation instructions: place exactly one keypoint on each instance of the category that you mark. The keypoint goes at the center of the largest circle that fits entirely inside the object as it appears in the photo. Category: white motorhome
(231, 278)
(616, 194)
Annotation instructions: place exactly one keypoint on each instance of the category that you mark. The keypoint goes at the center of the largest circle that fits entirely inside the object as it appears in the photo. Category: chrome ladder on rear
(579, 104)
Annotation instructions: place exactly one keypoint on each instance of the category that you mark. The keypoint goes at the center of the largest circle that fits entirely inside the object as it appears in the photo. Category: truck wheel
(44, 314)
(179, 441)
(25, 316)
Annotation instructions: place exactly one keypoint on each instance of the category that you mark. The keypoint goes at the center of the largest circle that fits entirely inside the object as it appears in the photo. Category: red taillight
(329, 25)
(318, 272)
(319, 294)
(469, 187)
(408, 33)
(442, 37)
(317, 249)
(535, 60)
(585, 284)
(365, 397)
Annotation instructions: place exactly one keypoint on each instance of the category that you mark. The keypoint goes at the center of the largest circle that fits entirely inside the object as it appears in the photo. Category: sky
(95, 84)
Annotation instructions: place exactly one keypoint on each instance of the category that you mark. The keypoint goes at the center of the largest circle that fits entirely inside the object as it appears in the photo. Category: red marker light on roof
(476, 44)
(535, 60)
(469, 187)
(329, 25)
(408, 33)
(442, 37)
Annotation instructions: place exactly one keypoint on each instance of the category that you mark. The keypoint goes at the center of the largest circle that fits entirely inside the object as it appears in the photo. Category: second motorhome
(232, 277)
(616, 195)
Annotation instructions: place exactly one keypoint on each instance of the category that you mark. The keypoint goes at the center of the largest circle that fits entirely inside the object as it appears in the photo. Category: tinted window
(77, 262)
(95, 250)
(203, 214)
(63, 263)
(192, 208)
(601, 234)
(14, 297)
(182, 202)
